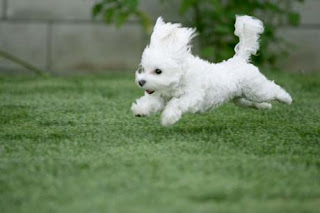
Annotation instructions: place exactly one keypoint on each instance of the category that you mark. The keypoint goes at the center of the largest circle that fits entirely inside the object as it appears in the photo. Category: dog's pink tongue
(149, 91)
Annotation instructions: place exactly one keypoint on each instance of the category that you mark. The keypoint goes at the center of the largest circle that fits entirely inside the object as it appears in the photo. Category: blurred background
(62, 36)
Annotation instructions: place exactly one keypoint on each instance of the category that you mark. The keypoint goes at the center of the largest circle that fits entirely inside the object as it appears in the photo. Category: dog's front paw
(170, 116)
(139, 111)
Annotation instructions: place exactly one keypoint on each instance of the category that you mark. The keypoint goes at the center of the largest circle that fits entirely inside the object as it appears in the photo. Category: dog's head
(163, 61)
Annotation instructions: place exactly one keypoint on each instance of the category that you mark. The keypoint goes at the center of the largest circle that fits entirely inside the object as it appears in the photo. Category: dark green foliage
(214, 20)
(119, 11)
(72, 145)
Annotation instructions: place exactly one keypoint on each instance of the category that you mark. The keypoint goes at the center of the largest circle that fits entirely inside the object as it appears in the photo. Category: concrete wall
(59, 35)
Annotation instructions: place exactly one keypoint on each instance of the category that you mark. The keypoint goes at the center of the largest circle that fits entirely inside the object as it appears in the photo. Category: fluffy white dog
(176, 82)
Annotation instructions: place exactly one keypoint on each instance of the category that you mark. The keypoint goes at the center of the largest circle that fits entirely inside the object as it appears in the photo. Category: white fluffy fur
(190, 84)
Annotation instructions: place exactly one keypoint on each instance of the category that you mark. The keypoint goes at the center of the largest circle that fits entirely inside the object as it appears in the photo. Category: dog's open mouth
(149, 91)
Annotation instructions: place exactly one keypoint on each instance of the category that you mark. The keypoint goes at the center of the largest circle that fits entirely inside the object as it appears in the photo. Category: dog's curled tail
(248, 29)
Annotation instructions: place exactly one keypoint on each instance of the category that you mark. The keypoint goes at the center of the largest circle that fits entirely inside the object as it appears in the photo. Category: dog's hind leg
(260, 89)
(242, 102)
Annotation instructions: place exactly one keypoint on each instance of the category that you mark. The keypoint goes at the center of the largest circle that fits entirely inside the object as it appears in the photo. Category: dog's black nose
(142, 82)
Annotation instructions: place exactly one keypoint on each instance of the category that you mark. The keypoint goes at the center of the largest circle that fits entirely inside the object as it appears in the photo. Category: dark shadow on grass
(56, 123)
(36, 137)
(218, 196)
(13, 113)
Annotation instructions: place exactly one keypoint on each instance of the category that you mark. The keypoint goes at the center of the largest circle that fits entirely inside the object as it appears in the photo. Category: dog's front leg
(147, 105)
(177, 106)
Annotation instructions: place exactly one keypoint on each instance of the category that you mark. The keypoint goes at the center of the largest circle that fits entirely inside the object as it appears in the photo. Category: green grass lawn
(71, 144)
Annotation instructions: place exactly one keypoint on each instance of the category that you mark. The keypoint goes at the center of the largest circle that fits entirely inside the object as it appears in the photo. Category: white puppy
(176, 82)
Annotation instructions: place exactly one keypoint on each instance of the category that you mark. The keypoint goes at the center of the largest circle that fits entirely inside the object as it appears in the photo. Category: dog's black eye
(158, 71)
(140, 70)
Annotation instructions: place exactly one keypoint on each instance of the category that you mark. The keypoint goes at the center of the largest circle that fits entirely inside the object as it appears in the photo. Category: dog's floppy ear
(162, 32)
(159, 22)
(171, 35)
